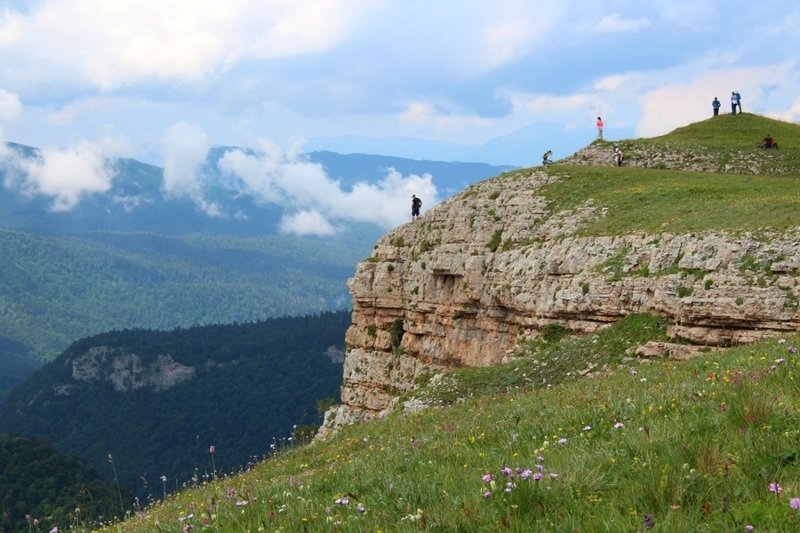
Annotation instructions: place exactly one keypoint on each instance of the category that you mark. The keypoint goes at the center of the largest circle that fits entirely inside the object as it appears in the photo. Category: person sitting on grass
(768, 142)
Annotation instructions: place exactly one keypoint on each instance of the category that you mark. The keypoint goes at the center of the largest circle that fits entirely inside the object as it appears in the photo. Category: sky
(497, 81)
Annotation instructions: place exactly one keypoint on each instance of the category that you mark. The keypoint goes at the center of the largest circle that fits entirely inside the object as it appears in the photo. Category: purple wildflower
(794, 503)
(562, 440)
(525, 474)
(748, 528)
(360, 508)
(342, 501)
(792, 349)
(537, 476)
(775, 487)
(649, 522)
(487, 494)
(486, 478)
(619, 425)
(506, 471)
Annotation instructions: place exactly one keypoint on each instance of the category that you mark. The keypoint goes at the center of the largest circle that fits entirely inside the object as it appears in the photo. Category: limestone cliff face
(461, 285)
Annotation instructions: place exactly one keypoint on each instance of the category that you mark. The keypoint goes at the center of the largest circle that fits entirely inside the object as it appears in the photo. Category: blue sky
(497, 81)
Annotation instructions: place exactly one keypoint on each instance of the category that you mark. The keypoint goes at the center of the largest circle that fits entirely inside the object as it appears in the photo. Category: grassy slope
(684, 446)
(694, 444)
(653, 200)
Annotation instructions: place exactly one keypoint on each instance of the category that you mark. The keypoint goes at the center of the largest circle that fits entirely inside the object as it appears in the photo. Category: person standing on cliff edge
(416, 204)
(599, 128)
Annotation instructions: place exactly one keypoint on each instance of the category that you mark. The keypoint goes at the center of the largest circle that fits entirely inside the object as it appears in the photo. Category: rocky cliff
(462, 285)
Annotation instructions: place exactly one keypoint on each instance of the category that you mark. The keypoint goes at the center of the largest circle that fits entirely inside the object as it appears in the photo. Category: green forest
(254, 388)
(43, 488)
(57, 289)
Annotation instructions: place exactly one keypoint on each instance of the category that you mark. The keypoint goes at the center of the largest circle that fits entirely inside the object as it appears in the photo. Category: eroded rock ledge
(458, 287)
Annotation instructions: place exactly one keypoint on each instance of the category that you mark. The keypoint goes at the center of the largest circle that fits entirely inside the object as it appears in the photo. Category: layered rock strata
(461, 285)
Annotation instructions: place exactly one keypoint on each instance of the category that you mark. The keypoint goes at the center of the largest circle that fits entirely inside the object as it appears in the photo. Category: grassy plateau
(576, 433)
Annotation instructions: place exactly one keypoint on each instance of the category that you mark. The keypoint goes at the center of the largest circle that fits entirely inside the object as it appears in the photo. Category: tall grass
(664, 446)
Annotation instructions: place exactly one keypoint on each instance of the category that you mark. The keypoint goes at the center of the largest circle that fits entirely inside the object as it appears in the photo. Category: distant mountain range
(137, 201)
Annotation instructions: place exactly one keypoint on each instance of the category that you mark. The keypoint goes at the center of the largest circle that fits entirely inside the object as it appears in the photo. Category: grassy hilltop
(575, 434)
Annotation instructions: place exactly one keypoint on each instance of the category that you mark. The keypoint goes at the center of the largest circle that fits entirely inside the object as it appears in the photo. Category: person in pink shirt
(599, 128)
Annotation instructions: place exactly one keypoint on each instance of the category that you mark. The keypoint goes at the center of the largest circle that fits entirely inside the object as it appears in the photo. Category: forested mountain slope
(157, 400)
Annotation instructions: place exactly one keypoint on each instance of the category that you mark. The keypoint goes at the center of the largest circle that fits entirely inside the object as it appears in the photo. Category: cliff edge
(532, 247)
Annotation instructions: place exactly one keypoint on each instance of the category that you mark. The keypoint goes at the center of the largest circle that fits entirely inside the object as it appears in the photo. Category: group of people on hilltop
(736, 103)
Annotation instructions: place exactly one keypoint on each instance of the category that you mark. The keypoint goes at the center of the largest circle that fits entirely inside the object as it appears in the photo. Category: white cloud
(614, 23)
(306, 223)
(65, 175)
(280, 177)
(185, 149)
(112, 44)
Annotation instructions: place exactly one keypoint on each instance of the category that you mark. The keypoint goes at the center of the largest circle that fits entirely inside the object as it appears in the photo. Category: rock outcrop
(126, 371)
(477, 272)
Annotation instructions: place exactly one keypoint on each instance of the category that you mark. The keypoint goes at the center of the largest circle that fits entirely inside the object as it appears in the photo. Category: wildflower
(649, 522)
(342, 501)
(619, 425)
(562, 440)
(775, 487)
(525, 474)
(486, 478)
(212, 449)
(794, 503)
(643, 380)
(781, 341)
(587, 428)
(241, 503)
(509, 487)
(634, 371)
(553, 475)
(360, 508)
(54, 530)
(537, 476)
(163, 479)
(792, 349)
(506, 471)
(487, 494)
(748, 528)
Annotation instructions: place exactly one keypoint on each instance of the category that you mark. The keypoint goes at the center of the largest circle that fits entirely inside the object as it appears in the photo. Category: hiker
(738, 100)
(768, 142)
(599, 128)
(715, 105)
(734, 102)
(416, 203)
(546, 158)
(618, 156)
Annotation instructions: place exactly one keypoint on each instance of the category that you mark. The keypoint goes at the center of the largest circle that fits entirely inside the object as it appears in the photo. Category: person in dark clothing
(715, 105)
(768, 142)
(416, 204)
(546, 158)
